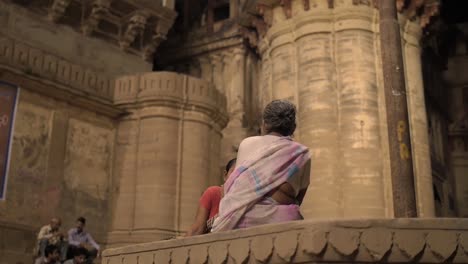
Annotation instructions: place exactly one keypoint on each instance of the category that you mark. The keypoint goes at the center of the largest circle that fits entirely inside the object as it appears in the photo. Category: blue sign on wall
(8, 101)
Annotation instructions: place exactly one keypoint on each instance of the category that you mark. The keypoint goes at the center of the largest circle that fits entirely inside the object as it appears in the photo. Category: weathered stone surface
(262, 248)
(286, 245)
(180, 255)
(218, 252)
(163, 256)
(344, 241)
(442, 244)
(376, 239)
(199, 254)
(313, 242)
(239, 250)
(409, 243)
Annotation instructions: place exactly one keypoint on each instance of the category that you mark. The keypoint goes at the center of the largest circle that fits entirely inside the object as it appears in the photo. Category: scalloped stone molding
(344, 241)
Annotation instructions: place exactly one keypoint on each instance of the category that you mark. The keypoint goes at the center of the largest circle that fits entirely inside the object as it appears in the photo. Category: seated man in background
(51, 256)
(209, 205)
(79, 238)
(79, 257)
(51, 235)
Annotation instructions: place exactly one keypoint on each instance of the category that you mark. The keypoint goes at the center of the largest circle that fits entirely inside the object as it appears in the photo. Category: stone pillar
(216, 62)
(326, 58)
(164, 153)
(234, 83)
(318, 105)
(418, 118)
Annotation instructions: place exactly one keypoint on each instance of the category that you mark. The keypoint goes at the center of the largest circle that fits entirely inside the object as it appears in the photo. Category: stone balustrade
(337, 241)
(170, 88)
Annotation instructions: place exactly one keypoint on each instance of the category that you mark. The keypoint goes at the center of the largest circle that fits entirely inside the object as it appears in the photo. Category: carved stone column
(326, 58)
(234, 81)
(217, 64)
(411, 38)
(165, 153)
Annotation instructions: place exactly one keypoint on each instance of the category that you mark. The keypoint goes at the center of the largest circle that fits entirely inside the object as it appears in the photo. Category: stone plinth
(167, 153)
(344, 241)
(327, 60)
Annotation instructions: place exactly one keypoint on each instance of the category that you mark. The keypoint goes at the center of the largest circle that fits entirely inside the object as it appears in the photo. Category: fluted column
(234, 81)
(326, 58)
(325, 61)
(411, 38)
(317, 118)
(359, 139)
(164, 153)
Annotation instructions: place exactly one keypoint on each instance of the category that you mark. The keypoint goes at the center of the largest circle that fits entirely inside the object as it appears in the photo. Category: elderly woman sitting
(271, 175)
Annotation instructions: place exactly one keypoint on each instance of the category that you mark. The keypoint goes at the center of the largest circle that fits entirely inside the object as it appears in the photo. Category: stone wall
(345, 241)
(167, 153)
(327, 60)
(62, 156)
(61, 165)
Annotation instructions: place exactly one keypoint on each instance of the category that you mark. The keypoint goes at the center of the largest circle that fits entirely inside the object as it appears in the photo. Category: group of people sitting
(265, 184)
(76, 247)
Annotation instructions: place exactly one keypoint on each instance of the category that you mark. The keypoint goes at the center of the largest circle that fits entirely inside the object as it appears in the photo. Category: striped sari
(246, 201)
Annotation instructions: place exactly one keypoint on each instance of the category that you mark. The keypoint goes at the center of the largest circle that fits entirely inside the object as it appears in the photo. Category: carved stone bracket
(135, 27)
(100, 8)
(151, 47)
(57, 9)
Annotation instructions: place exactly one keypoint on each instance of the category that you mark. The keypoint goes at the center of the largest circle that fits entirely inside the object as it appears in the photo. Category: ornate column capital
(136, 25)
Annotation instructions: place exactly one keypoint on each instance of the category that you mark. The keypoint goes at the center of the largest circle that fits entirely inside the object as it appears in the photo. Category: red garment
(210, 200)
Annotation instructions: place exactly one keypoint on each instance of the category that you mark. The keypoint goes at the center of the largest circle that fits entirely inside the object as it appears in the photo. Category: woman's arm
(198, 228)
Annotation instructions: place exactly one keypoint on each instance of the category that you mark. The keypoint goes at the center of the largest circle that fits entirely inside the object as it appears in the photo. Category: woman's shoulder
(252, 140)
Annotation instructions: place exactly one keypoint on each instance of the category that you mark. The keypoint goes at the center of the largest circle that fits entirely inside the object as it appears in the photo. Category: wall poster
(8, 101)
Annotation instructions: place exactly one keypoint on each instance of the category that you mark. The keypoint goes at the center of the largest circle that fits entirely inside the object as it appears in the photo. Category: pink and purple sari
(246, 201)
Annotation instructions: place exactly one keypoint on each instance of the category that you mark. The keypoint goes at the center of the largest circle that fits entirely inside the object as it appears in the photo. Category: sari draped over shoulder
(263, 169)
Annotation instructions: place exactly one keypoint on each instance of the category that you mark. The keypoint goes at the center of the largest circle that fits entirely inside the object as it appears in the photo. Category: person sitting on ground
(209, 205)
(51, 235)
(79, 238)
(79, 257)
(271, 175)
(51, 256)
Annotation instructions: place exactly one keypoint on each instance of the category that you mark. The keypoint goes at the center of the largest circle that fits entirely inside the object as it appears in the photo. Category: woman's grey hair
(280, 117)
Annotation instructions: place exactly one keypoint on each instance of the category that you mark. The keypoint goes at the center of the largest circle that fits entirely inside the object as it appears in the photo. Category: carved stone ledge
(171, 89)
(257, 21)
(17, 56)
(137, 26)
(340, 241)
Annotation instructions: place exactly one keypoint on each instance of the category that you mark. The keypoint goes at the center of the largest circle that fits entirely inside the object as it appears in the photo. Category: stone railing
(344, 241)
(168, 87)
